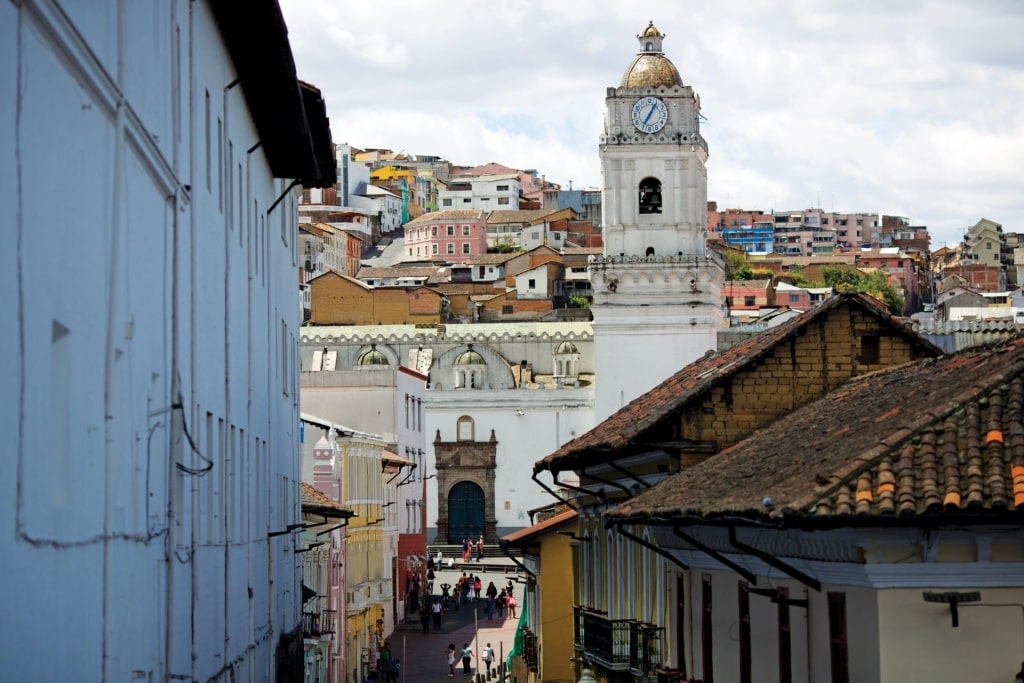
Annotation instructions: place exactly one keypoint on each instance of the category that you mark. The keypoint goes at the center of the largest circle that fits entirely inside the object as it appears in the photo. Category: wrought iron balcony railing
(316, 624)
(646, 647)
(618, 644)
(604, 640)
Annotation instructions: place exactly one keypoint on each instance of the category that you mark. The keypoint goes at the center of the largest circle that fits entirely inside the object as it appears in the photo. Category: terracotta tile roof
(515, 216)
(530, 532)
(630, 422)
(398, 271)
(485, 259)
(450, 215)
(938, 436)
(317, 502)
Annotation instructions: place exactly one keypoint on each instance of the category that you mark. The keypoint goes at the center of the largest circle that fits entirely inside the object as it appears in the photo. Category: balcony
(318, 624)
(617, 644)
(646, 655)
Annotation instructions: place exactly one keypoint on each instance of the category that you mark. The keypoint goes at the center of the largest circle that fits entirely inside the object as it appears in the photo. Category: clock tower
(657, 289)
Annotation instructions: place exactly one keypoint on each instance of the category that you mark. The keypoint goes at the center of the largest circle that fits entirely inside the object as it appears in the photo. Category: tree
(736, 266)
(875, 284)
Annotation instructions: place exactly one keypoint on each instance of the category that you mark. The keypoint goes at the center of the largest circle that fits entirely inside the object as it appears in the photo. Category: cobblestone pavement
(423, 654)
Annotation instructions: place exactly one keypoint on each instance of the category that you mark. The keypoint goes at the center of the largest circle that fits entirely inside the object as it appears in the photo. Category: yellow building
(369, 585)
(548, 598)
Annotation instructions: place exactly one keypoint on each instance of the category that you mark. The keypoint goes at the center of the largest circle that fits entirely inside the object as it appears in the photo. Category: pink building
(897, 265)
(447, 234)
(748, 295)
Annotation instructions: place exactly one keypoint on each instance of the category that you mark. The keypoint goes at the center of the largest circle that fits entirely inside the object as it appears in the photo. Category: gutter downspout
(607, 482)
(714, 554)
(566, 501)
(622, 470)
(505, 549)
(773, 561)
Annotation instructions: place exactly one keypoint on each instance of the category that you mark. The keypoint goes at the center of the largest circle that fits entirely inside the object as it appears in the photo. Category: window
(506, 308)
(785, 651)
(464, 428)
(465, 230)
(451, 248)
(794, 298)
(744, 598)
(446, 202)
(465, 247)
(650, 196)
(467, 200)
(706, 649)
(869, 349)
(503, 200)
(433, 249)
(451, 230)
(838, 651)
(749, 301)
(209, 153)
(531, 284)
(502, 188)
(433, 231)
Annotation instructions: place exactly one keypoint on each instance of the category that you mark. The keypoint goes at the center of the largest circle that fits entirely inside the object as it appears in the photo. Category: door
(466, 512)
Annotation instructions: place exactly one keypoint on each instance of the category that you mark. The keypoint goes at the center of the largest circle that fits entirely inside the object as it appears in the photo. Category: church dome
(566, 347)
(651, 68)
(372, 357)
(470, 357)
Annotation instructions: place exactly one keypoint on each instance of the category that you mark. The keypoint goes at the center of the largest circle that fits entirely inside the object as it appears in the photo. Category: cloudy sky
(905, 107)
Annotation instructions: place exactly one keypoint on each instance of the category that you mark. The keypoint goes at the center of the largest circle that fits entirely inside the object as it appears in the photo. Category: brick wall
(827, 354)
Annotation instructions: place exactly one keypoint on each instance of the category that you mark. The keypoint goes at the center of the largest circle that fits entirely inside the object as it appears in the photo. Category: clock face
(649, 115)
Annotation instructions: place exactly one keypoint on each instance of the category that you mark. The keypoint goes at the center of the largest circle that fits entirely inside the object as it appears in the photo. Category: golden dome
(651, 68)
(650, 31)
(651, 71)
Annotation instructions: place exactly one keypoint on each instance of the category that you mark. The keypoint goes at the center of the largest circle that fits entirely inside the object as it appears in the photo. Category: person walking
(450, 654)
(384, 659)
(467, 660)
(489, 607)
(465, 550)
(488, 658)
(435, 611)
(511, 603)
(391, 669)
(480, 548)
(499, 603)
(425, 619)
(478, 587)
(430, 580)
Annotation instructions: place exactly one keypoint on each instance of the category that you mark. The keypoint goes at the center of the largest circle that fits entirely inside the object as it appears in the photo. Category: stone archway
(466, 511)
(465, 484)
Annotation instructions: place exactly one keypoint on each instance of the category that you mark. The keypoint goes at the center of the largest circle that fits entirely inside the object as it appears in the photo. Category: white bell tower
(657, 289)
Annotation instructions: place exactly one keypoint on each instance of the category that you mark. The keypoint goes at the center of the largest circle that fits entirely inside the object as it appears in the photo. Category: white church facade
(501, 395)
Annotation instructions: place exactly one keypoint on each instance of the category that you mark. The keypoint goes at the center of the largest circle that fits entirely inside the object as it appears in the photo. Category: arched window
(650, 196)
(464, 428)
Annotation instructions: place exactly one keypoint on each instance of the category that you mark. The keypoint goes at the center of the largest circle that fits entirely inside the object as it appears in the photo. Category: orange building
(339, 300)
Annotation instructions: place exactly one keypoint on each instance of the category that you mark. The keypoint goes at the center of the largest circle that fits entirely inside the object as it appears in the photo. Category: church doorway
(466, 512)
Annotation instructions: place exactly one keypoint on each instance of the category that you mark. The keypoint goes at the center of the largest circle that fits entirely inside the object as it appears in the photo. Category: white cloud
(910, 108)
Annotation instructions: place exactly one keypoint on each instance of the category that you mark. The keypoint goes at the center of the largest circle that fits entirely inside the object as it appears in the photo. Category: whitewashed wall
(148, 325)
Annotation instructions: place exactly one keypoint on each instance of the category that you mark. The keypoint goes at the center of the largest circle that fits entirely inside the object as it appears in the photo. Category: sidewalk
(423, 654)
